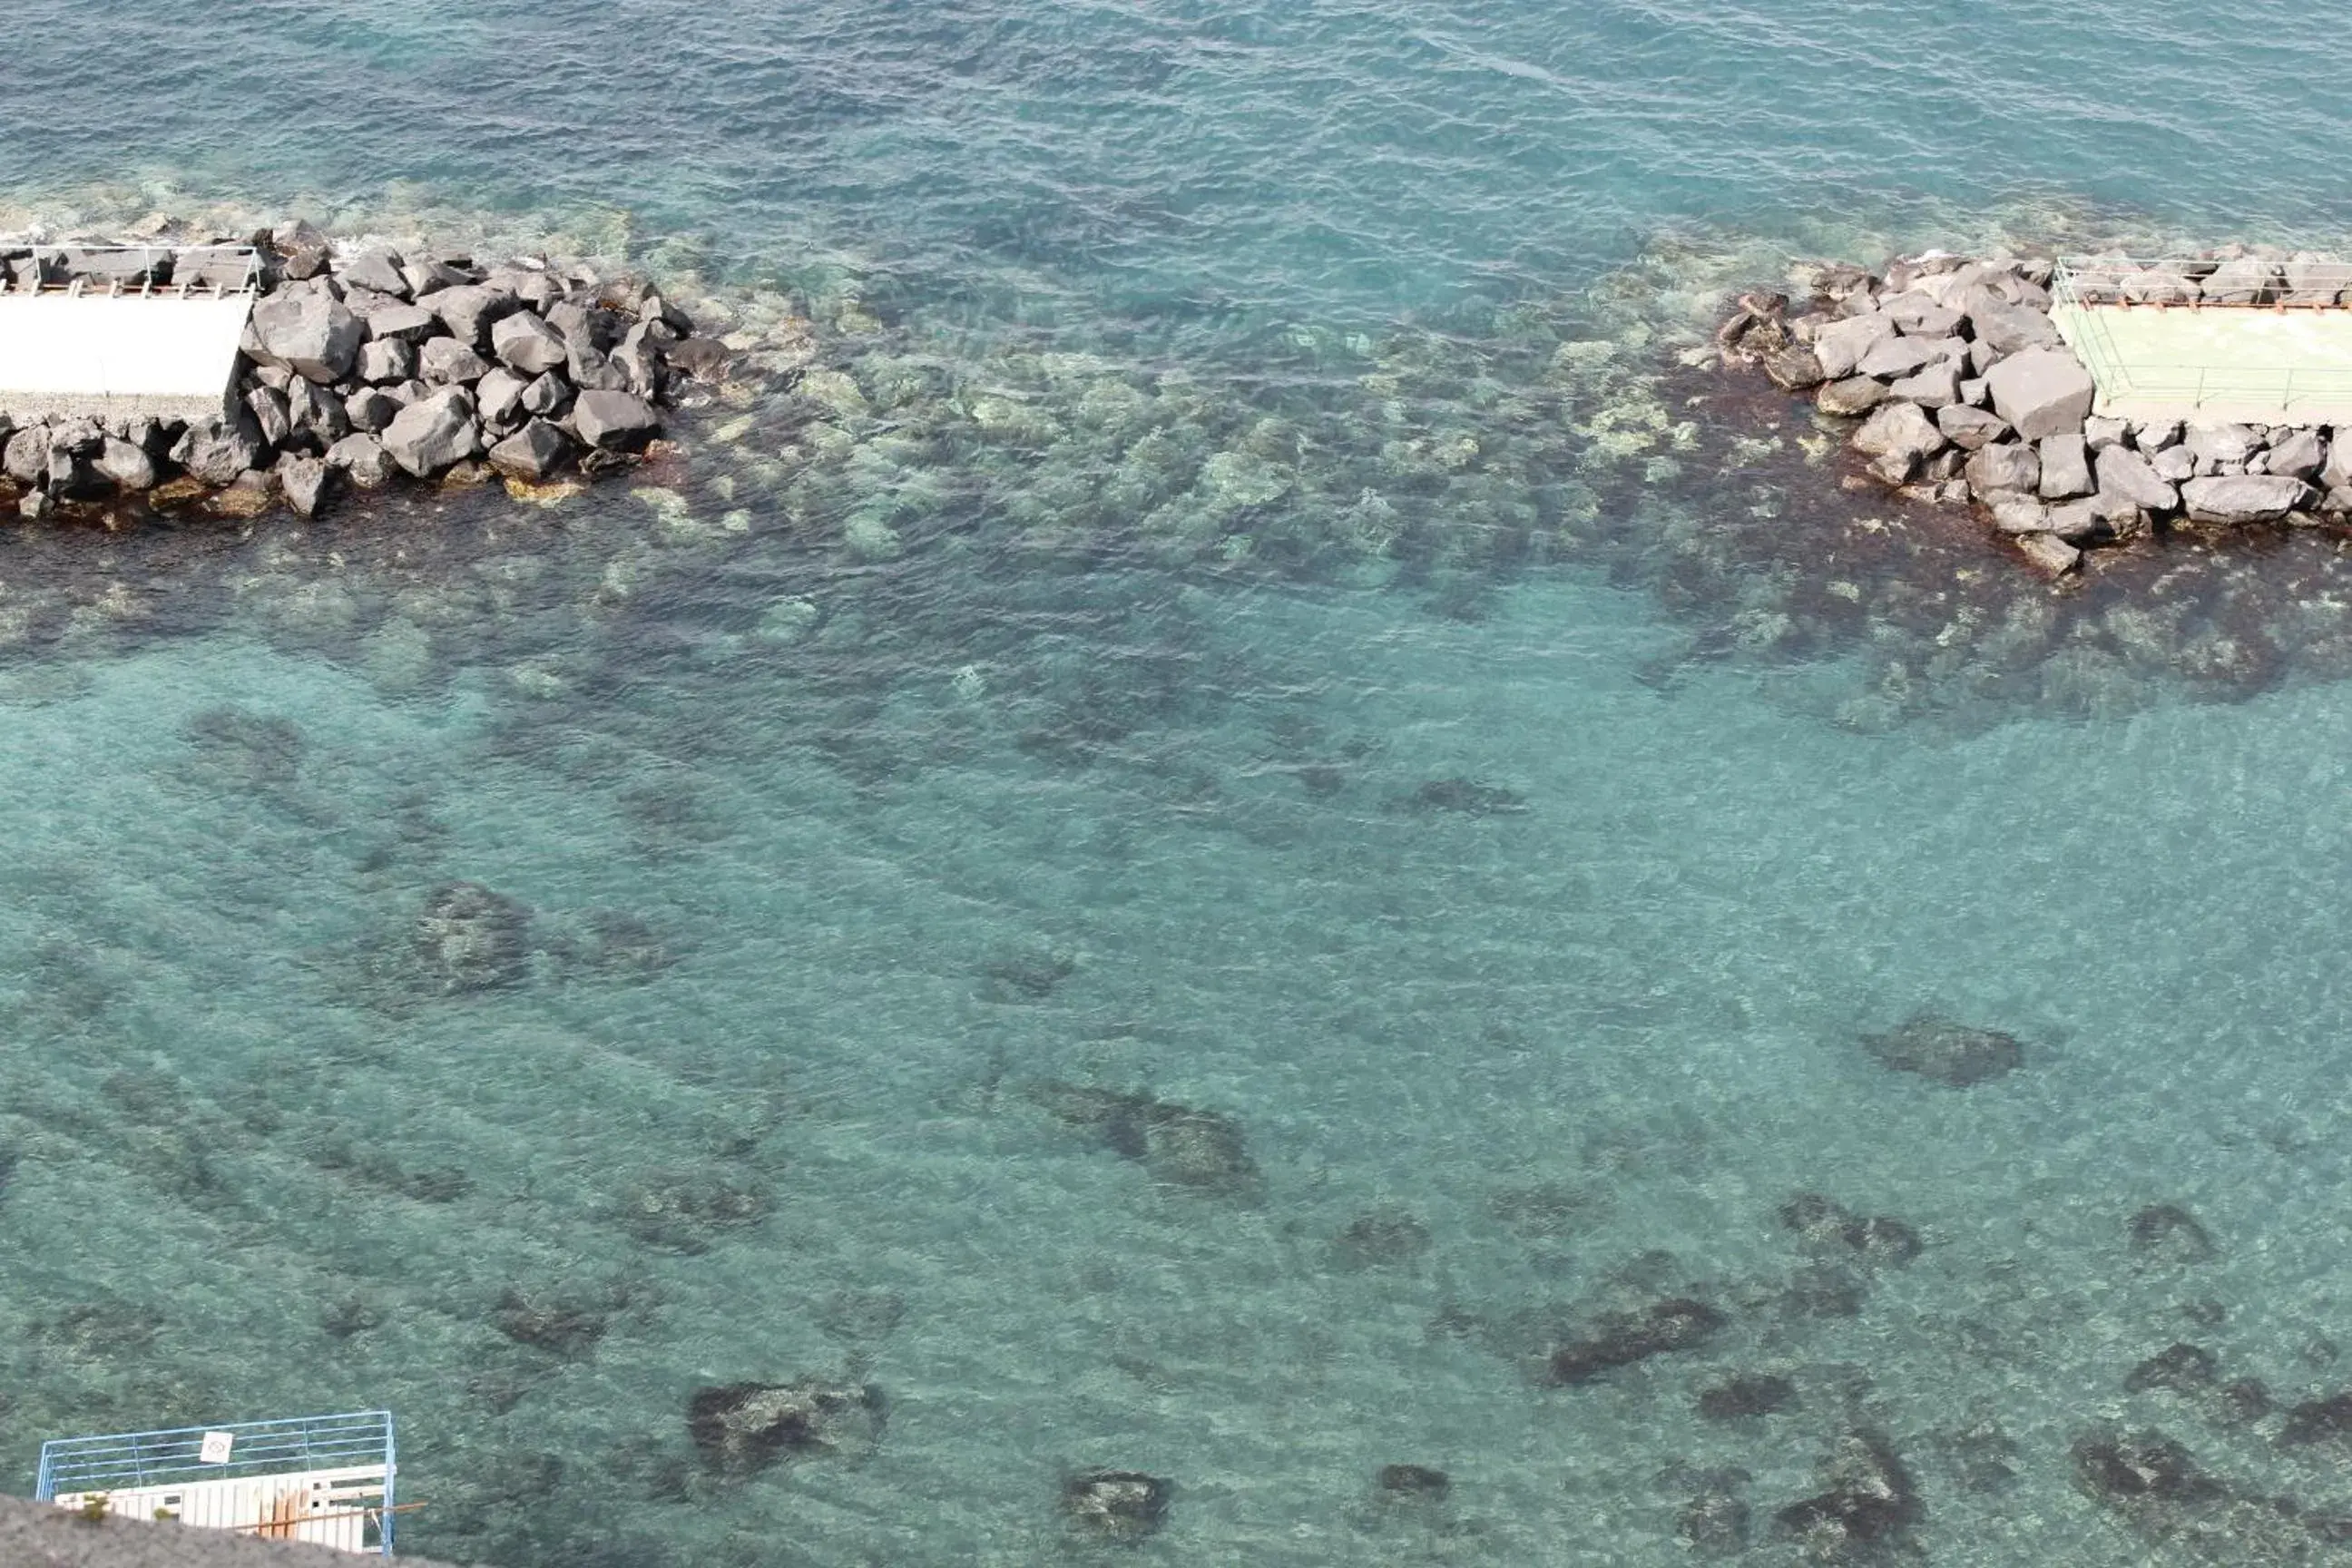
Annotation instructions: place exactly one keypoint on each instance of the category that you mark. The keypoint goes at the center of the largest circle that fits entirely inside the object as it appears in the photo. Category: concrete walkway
(2216, 365)
(164, 357)
(41, 1535)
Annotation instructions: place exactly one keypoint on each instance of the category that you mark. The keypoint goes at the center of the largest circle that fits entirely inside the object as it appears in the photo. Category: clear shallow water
(835, 855)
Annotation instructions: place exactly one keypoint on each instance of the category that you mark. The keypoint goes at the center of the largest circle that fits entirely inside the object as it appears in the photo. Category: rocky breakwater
(1949, 376)
(365, 365)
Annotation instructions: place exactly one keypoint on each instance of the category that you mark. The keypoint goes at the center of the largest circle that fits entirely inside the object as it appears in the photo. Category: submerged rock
(1178, 1144)
(1749, 1394)
(742, 1428)
(1117, 1505)
(1417, 1482)
(2170, 1234)
(1867, 1502)
(1622, 1339)
(1950, 1053)
(470, 938)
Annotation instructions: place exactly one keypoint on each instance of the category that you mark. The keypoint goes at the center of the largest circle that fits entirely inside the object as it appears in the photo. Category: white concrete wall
(161, 357)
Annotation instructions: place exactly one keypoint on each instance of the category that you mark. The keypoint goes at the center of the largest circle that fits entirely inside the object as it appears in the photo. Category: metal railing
(2087, 280)
(2087, 294)
(148, 271)
(124, 1461)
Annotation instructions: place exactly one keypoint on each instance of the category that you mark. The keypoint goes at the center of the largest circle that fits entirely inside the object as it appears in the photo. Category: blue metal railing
(129, 1459)
(2084, 291)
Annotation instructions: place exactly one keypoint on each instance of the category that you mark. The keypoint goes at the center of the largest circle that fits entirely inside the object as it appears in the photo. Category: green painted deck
(2216, 365)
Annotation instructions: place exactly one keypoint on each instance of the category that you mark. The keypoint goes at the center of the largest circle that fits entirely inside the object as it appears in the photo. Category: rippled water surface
(1242, 816)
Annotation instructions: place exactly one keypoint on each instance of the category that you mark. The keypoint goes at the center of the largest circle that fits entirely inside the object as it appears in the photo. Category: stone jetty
(364, 366)
(1949, 377)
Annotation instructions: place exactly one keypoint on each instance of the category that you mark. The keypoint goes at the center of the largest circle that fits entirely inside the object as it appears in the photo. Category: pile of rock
(1965, 394)
(362, 365)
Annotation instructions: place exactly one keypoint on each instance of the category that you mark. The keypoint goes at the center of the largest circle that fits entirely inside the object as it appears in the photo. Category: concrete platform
(41, 1535)
(161, 355)
(2240, 364)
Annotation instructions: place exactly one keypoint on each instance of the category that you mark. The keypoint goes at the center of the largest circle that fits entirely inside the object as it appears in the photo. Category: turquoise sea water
(1520, 874)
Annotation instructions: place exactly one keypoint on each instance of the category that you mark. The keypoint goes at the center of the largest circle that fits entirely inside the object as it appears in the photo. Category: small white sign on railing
(216, 1448)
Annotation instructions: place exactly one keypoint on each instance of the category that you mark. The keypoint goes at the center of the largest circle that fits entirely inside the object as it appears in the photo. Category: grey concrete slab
(164, 357)
(2218, 364)
(42, 1535)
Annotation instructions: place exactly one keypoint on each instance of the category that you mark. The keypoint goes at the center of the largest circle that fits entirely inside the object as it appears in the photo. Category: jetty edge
(2078, 404)
(357, 366)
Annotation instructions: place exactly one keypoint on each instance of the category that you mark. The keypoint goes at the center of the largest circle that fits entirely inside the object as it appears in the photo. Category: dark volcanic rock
(307, 484)
(1200, 1149)
(1117, 1505)
(1715, 1524)
(2169, 1233)
(2327, 1420)
(1622, 1338)
(1873, 1239)
(434, 434)
(1749, 1394)
(684, 1212)
(1418, 1481)
(2148, 1466)
(740, 1427)
(2179, 1368)
(1867, 1500)
(1949, 1053)
(563, 1329)
(614, 421)
(472, 939)
(535, 451)
(313, 335)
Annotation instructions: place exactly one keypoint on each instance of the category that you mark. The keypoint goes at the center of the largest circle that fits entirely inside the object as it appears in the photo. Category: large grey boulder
(1840, 347)
(2042, 392)
(533, 452)
(2299, 452)
(2244, 498)
(313, 335)
(527, 344)
(1916, 315)
(2049, 552)
(268, 406)
(2173, 464)
(2004, 467)
(26, 458)
(2313, 279)
(396, 322)
(1936, 386)
(2009, 329)
(2125, 473)
(316, 415)
(550, 394)
(434, 434)
(363, 458)
(447, 361)
(1856, 395)
(371, 410)
(306, 482)
(1792, 369)
(470, 309)
(2214, 445)
(127, 464)
(1898, 357)
(2066, 468)
(386, 360)
(2338, 473)
(218, 451)
(615, 421)
(2243, 280)
(1969, 428)
(498, 401)
(376, 268)
(2158, 286)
